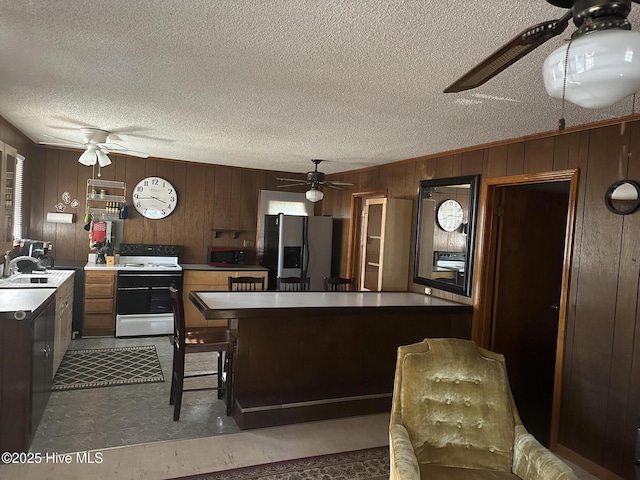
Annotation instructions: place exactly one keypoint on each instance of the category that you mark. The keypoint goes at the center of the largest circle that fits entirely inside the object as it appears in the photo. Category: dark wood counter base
(272, 415)
(292, 369)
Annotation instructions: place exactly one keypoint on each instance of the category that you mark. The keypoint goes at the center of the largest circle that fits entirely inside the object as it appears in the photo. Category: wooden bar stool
(338, 284)
(245, 283)
(293, 284)
(204, 339)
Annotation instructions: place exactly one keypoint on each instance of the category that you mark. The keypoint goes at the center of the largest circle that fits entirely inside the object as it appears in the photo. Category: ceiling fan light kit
(316, 180)
(602, 68)
(94, 141)
(314, 195)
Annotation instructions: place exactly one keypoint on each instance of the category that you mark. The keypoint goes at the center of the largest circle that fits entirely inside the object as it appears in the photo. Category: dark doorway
(532, 225)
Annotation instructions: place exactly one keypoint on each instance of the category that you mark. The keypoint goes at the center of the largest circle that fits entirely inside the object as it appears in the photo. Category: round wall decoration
(154, 198)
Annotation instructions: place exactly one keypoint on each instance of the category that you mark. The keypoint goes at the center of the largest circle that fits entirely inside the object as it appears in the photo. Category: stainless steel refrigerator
(298, 246)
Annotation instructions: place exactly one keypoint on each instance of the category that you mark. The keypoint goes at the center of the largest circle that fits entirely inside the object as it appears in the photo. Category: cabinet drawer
(100, 277)
(98, 305)
(99, 325)
(207, 278)
(98, 290)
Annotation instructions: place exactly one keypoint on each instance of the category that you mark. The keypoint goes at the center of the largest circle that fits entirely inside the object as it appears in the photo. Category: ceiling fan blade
(299, 184)
(326, 184)
(513, 51)
(131, 153)
(345, 184)
(63, 145)
(112, 146)
(292, 179)
(72, 142)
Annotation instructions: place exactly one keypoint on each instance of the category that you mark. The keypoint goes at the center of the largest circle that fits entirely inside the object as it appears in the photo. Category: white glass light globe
(88, 158)
(603, 68)
(314, 195)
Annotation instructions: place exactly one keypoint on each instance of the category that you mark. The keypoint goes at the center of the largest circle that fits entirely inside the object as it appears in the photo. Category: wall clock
(450, 215)
(154, 198)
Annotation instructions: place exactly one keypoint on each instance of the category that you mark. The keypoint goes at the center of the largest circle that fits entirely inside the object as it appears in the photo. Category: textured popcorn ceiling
(270, 84)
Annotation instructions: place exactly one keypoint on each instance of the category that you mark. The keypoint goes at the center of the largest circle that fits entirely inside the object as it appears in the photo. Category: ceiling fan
(593, 70)
(95, 146)
(316, 180)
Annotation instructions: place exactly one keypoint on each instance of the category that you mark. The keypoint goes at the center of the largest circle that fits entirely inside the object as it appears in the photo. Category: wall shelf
(236, 231)
(93, 196)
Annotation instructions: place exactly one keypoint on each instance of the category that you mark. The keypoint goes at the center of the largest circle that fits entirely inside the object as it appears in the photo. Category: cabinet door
(42, 361)
(64, 320)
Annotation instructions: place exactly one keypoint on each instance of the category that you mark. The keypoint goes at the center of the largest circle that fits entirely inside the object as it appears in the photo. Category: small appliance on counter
(226, 257)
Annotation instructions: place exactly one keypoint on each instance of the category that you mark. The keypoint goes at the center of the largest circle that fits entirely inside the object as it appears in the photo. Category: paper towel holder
(55, 217)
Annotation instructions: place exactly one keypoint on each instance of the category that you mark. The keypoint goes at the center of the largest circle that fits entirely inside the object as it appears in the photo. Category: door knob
(555, 306)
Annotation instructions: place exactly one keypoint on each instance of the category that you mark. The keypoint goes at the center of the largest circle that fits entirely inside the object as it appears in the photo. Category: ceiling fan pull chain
(562, 122)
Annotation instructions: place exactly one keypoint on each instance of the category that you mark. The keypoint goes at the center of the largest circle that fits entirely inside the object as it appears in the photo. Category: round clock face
(450, 215)
(154, 197)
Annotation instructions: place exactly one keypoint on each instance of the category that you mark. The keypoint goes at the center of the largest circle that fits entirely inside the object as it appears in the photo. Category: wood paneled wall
(601, 390)
(210, 197)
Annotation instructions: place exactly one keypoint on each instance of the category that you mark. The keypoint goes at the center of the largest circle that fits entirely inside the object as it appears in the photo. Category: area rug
(104, 367)
(368, 464)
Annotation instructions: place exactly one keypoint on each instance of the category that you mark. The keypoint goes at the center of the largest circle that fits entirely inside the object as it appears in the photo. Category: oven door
(145, 292)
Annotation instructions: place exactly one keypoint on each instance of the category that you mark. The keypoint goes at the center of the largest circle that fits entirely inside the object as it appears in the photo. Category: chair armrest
(532, 461)
(404, 465)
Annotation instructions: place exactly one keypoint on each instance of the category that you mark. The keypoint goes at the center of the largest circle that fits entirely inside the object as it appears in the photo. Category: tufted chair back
(455, 402)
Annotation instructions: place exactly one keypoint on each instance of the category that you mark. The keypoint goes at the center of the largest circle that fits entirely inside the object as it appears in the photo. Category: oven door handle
(159, 288)
(128, 289)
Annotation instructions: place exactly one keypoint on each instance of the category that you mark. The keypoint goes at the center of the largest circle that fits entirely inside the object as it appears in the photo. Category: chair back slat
(293, 284)
(338, 284)
(246, 283)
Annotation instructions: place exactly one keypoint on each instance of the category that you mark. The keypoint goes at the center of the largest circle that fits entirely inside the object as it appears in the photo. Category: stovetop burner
(134, 256)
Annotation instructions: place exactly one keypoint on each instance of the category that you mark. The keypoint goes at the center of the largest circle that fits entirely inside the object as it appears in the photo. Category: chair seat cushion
(438, 472)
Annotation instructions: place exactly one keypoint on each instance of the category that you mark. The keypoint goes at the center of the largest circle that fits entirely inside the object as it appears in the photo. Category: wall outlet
(427, 291)
(248, 243)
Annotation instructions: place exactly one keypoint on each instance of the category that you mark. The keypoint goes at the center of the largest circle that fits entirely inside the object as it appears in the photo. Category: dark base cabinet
(26, 365)
(292, 369)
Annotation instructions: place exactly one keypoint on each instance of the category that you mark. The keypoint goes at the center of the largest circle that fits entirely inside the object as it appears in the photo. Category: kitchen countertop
(187, 267)
(26, 300)
(234, 268)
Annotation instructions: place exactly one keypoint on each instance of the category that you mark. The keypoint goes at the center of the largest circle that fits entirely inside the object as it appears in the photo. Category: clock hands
(149, 198)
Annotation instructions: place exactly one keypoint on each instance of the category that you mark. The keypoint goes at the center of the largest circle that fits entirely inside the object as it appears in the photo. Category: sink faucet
(12, 264)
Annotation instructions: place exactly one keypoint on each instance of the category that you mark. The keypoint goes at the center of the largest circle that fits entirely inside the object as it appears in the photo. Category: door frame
(355, 226)
(485, 268)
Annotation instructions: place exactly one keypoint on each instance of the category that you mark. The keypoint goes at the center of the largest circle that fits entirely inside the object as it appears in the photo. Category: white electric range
(143, 302)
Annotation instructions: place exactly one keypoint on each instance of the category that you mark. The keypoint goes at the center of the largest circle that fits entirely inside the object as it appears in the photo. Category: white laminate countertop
(26, 300)
(233, 268)
(247, 301)
(186, 266)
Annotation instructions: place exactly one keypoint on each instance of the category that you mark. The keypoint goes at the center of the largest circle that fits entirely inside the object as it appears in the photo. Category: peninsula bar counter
(304, 356)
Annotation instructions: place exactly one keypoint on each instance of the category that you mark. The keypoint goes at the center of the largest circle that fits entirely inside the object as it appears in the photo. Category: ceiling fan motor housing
(591, 15)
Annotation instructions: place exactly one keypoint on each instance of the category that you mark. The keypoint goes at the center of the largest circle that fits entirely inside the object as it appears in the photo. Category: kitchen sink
(49, 278)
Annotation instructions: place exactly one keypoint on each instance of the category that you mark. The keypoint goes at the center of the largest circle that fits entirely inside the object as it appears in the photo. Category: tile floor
(131, 427)
(131, 414)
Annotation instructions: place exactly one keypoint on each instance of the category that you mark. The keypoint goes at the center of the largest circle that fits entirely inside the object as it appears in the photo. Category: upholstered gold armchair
(453, 417)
